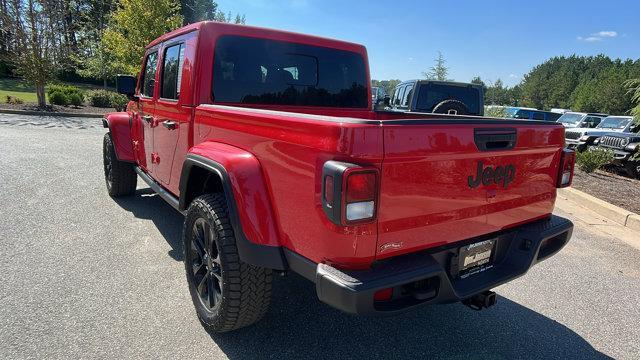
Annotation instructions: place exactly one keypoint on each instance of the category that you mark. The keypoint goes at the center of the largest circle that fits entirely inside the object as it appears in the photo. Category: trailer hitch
(481, 301)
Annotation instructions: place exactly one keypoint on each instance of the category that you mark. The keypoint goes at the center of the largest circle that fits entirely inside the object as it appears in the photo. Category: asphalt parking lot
(84, 276)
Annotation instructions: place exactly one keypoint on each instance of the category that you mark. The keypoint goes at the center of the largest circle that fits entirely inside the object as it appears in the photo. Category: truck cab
(267, 143)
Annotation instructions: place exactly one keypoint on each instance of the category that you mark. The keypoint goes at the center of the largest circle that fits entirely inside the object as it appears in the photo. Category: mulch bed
(57, 108)
(611, 187)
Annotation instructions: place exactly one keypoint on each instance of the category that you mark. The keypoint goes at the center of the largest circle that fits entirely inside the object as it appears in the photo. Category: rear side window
(397, 96)
(172, 71)
(430, 95)
(406, 97)
(148, 78)
(259, 71)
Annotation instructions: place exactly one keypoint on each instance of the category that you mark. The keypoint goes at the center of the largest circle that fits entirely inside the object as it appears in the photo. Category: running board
(167, 196)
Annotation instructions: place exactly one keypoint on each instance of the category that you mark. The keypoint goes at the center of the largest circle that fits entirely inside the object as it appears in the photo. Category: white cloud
(513, 76)
(410, 59)
(605, 33)
(599, 36)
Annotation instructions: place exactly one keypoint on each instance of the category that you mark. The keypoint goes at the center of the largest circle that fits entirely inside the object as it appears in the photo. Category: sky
(491, 39)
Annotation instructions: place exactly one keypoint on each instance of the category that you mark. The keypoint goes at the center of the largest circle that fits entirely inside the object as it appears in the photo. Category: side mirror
(126, 85)
(386, 100)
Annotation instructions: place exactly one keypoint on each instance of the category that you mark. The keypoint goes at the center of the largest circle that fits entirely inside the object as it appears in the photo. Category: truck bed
(425, 161)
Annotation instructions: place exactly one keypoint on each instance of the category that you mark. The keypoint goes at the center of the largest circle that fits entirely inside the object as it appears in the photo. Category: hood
(594, 131)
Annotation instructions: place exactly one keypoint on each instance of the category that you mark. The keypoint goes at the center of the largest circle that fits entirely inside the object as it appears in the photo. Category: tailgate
(445, 181)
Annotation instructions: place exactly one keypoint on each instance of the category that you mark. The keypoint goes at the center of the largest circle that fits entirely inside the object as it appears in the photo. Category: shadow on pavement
(299, 326)
(146, 204)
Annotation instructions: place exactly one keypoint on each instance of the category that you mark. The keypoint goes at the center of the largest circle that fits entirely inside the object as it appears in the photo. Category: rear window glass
(172, 71)
(430, 95)
(260, 71)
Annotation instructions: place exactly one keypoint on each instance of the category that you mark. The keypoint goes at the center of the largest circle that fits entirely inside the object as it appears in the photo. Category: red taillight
(349, 192)
(567, 162)
(383, 295)
(328, 189)
(361, 187)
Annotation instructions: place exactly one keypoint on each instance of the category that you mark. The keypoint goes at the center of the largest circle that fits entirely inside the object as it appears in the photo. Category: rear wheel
(120, 176)
(227, 293)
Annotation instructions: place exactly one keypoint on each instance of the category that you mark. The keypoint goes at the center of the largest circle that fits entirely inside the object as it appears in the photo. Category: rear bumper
(426, 277)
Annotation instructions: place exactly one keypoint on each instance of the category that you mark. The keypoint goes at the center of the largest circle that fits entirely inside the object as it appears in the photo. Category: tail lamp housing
(349, 192)
(567, 163)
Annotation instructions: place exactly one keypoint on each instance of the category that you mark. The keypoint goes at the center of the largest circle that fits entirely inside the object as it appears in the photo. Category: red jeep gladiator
(266, 142)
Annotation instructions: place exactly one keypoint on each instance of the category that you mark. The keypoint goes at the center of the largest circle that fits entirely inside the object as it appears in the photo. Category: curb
(48, 113)
(614, 213)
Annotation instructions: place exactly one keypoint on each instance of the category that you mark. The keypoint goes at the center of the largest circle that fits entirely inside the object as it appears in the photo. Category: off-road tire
(120, 176)
(244, 290)
(444, 107)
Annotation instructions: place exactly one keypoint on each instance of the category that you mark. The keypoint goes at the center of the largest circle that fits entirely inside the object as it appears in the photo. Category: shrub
(66, 94)
(591, 160)
(100, 98)
(105, 99)
(495, 111)
(76, 99)
(14, 100)
(58, 98)
(119, 101)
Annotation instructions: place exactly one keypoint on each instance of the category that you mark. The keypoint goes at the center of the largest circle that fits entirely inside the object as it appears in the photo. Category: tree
(477, 80)
(127, 35)
(35, 60)
(388, 85)
(438, 71)
(634, 89)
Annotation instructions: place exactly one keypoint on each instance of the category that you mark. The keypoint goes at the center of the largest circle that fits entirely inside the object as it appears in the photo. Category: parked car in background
(560, 111)
(532, 114)
(573, 119)
(440, 97)
(580, 138)
(624, 146)
(377, 94)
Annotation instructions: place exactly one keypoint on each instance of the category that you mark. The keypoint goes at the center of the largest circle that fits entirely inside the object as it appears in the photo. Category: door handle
(171, 125)
(147, 118)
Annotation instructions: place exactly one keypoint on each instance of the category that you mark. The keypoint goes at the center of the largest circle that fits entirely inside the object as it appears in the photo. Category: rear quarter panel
(291, 150)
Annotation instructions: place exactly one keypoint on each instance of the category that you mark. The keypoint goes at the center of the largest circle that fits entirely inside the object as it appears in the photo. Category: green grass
(21, 89)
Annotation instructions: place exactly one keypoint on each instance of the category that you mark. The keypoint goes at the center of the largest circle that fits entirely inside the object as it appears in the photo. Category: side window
(397, 97)
(149, 76)
(592, 121)
(172, 71)
(407, 95)
(538, 115)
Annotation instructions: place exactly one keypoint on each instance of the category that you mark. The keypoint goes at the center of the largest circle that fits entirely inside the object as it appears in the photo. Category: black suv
(440, 97)
(625, 147)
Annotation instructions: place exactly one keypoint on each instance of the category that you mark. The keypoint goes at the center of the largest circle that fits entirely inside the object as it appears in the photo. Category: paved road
(84, 276)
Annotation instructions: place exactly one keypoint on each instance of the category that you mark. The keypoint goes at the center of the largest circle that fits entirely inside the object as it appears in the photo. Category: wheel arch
(119, 125)
(215, 167)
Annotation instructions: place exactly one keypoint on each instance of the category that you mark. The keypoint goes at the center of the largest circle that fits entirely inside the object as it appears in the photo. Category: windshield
(570, 118)
(614, 123)
(511, 111)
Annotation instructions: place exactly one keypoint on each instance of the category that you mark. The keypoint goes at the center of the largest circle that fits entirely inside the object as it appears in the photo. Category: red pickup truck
(265, 140)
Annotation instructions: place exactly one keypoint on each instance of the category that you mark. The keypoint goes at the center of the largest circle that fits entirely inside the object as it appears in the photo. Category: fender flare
(252, 219)
(119, 125)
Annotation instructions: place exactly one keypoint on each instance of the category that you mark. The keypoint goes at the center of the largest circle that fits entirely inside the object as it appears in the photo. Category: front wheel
(120, 176)
(227, 293)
